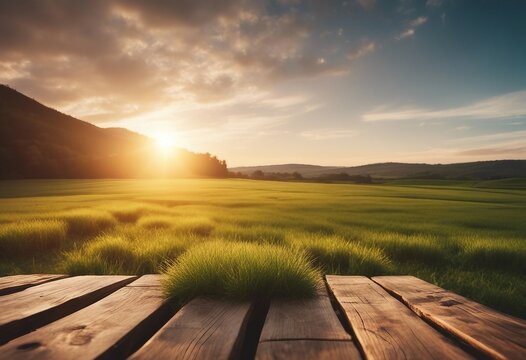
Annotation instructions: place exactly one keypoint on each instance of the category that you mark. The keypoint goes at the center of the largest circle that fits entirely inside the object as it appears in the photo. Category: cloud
(406, 34)
(492, 138)
(327, 134)
(413, 24)
(506, 106)
(366, 4)
(363, 50)
(501, 152)
(109, 59)
(418, 21)
(434, 3)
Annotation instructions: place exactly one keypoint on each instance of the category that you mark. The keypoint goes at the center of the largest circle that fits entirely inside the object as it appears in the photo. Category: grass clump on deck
(239, 270)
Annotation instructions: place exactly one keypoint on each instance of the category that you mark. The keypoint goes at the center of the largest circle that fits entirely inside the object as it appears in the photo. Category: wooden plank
(305, 329)
(487, 331)
(105, 329)
(14, 283)
(38, 305)
(384, 327)
(307, 349)
(203, 329)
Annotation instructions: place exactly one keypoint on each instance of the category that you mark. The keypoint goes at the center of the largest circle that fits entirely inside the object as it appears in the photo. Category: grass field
(242, 238)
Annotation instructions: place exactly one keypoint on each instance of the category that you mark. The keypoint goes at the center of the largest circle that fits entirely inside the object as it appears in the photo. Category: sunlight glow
(165, 142)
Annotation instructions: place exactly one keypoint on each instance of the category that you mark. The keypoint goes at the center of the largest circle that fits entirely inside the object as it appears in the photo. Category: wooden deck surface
(354, 317)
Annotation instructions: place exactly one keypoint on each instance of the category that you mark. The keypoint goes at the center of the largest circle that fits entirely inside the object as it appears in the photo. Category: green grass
(26, 237)
(469, 237)
(238, 270)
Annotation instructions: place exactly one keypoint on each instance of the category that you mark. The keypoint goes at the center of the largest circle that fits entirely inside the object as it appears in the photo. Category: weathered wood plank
(487, 331)
(305, 329)
(307, 349)
(203, 329)
(384, 327)
(105, 329)
(14, 283)
(38, 305)
(303, 319)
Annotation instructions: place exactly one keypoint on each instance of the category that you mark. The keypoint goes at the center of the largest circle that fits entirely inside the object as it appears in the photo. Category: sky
(285, 81)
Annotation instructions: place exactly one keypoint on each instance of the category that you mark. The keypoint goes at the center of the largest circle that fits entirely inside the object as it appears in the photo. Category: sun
(165, 142)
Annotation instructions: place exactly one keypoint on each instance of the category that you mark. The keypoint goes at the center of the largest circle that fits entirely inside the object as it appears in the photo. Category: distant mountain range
(479, 170)
(39, 142)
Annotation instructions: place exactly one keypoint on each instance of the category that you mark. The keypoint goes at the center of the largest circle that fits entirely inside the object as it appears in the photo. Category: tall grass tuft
(156, 222)
(420, 248)
(238, 270)
(29, 237)
(336, 255)
(119, 254)
(500, 254)
(201, 226)
(86, 222)
(256, 234)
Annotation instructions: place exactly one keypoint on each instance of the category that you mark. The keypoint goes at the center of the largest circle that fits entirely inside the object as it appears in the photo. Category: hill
(480, 170)
(40, 142)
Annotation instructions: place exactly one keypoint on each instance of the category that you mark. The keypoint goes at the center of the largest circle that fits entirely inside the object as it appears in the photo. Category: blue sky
(322, 82)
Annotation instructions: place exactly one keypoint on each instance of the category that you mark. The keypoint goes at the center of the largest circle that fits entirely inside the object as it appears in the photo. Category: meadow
(242, 238)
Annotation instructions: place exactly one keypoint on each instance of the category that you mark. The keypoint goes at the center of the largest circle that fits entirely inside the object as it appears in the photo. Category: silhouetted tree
(297, 176)
(258, 175)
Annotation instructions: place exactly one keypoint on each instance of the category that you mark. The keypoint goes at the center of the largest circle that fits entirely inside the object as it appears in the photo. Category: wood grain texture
(307, 349)
(384, 327)
(96, 331)
(306, 329)
(14, 283)
(203, 329)
(303, 319)
(38, 305)
(489, 332)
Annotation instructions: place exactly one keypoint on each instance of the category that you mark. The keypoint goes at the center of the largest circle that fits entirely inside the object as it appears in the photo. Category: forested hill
(480, 170)
(39, 142)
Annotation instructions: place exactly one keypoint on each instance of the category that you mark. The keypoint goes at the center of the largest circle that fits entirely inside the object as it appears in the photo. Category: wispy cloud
(325, 134)
(496, 151)
(418, 21)
(434, 3)
(363, 50)
(493, 138)
(405, 34)
(411, 30)
(499, 107)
